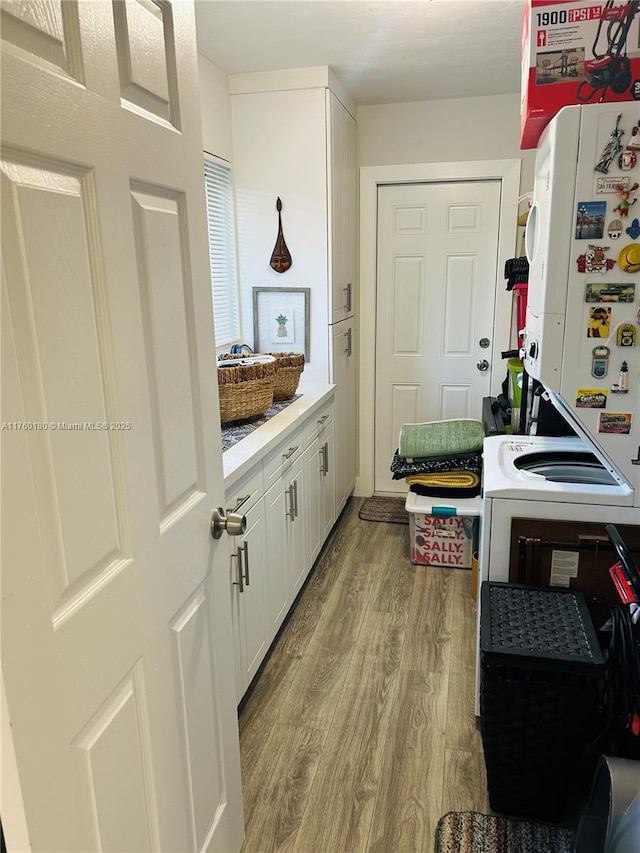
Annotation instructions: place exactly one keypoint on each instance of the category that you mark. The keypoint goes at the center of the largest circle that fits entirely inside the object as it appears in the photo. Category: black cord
(622, 678)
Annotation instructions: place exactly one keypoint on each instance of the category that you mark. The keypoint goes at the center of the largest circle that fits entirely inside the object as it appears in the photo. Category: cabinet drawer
(318, 424)
(281, 459)
(247, 491)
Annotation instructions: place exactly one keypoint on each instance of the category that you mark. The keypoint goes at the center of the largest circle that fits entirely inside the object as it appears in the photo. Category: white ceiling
(386, 51)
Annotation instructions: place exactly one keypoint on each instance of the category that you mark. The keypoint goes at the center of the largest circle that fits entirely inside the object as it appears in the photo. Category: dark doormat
(471, 832)
(384, 509)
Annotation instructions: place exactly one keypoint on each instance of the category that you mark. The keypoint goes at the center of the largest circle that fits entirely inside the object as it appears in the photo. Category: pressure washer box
(442, 533)
(576, 52)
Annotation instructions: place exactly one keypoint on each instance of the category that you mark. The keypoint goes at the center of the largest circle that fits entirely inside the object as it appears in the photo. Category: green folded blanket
(440, 438)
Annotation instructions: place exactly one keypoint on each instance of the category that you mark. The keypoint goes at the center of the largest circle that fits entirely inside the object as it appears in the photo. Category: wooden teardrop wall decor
(281, 256)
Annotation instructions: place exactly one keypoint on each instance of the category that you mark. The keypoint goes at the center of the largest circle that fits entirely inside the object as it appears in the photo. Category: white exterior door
(116, 625)
(436, 280)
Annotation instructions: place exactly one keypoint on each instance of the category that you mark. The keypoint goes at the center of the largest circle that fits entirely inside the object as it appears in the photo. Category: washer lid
(569, 416)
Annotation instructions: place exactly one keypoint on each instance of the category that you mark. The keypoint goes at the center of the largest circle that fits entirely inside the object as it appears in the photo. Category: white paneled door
(116, 627)
(436, 280)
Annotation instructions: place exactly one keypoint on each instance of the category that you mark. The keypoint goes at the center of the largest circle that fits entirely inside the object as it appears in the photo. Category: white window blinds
(222, 253)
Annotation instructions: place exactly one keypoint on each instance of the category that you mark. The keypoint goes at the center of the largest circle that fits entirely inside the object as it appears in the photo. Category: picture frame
(281, 319)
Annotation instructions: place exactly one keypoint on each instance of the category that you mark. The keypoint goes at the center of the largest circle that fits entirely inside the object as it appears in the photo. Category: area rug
(384, 509)
(471, 832)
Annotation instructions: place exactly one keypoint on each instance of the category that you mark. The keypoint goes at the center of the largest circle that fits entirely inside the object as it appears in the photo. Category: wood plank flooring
(360, 731)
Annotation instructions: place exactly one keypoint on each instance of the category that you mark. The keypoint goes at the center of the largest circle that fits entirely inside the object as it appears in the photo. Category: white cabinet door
(249, 584)
(320, 513)
(342, 194)
(344, 375)
(327, 482)
(349, 224)
(297, 533)
(278, 504)
(314, 511)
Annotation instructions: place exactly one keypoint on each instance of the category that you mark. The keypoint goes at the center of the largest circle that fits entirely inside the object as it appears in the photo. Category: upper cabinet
(296, 144)
(341, 146)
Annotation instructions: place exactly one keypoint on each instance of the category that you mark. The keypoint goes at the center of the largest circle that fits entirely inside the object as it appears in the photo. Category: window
(222, 253)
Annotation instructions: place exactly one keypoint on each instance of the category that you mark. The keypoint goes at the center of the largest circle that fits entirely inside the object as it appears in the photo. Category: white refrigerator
(583, 245)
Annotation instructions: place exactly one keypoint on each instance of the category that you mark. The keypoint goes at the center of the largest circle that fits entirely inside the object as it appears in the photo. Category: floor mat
(471, 832)
(384, 509)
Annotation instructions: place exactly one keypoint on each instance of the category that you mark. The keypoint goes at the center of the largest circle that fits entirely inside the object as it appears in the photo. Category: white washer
(539, 477)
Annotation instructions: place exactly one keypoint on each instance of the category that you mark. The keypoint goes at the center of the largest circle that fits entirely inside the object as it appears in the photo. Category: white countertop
(246, 453)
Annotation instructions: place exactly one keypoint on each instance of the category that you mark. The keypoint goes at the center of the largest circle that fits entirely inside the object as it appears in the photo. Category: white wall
(443, 131)
(215, 104)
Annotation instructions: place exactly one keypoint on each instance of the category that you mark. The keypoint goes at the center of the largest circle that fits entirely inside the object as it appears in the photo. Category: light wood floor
(360, 732)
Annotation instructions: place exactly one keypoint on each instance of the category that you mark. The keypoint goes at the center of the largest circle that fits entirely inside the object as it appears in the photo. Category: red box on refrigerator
(576, 52)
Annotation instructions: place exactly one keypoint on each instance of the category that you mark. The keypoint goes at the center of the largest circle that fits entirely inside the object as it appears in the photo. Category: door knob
(483, 365)
(234, 523)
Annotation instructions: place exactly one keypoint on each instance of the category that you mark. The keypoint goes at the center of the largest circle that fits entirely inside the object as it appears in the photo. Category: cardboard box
(441, 541)
(576, 52)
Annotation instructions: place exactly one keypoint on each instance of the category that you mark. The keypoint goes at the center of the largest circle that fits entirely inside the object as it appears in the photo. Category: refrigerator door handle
(531, 233)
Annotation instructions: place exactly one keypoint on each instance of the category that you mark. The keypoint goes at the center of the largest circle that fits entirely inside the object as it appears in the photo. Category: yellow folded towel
(449, 479)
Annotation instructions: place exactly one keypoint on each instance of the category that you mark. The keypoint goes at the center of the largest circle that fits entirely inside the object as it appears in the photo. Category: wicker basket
(289, 367)
(246, 390)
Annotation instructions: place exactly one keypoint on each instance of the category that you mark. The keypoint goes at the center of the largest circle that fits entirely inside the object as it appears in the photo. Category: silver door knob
(234, 523)
(483, 365)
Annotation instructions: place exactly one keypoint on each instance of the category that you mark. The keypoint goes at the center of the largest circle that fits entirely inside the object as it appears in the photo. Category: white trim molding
(371, 177)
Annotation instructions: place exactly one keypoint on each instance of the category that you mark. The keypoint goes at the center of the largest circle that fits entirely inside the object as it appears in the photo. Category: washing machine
(539, 477)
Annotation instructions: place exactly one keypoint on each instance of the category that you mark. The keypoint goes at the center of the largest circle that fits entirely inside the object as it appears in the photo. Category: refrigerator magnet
(626, 335)
(599, 322)
(615, 229)
(590, 220)
(627, 160)
(614, 423)
(595, 260)
(626, 200)
(629, 258)
(633, 230)
(591, 398)
(598, 291)
(612, 184)
(600, 362)
(611, 149)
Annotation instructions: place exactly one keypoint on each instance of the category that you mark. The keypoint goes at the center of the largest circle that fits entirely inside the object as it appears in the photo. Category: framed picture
(281, 319)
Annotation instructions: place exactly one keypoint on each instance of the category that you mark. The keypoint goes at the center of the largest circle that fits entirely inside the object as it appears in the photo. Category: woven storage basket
(246, 390)
(289, 367)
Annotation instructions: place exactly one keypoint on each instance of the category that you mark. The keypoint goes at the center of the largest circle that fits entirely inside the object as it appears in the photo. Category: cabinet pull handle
(347, 335)
(348, 289)
(345, 303)
(245, 548)
(239, 582)
(291, 511)
(290, 453)
(325, 459)
(322, 452)
(322, 420)
(239, 502)
(295, 497)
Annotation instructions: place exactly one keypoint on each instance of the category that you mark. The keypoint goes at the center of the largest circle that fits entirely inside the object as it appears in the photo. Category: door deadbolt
(484, 343)
(483, 365)
(234, 523)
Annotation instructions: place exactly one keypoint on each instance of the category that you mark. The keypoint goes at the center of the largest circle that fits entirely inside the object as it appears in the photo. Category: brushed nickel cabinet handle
(322, 452)
(325, 459)
(295, 497)
(291, 511)
(245, 549)
(290, 453)
(323, 420)
(239, 583)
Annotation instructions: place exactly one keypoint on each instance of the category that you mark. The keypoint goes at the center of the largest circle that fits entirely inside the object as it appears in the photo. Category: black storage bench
(540, 669)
